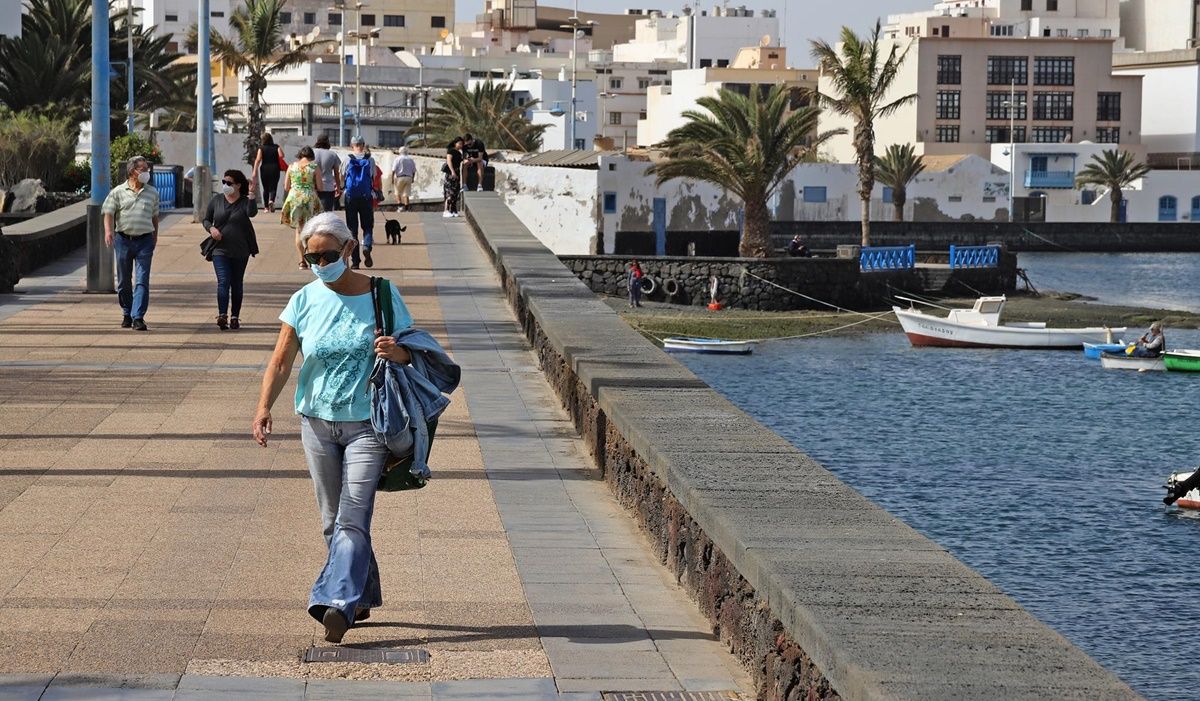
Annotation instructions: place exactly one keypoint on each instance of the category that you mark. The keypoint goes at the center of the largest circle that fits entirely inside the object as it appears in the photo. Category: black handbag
(207, 246)
(397, 475)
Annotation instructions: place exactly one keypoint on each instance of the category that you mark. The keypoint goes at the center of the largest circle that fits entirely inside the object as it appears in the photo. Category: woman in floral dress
(301, 201)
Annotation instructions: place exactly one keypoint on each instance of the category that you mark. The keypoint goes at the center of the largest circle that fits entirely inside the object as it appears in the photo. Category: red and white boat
(1191, 498)
(980, 327)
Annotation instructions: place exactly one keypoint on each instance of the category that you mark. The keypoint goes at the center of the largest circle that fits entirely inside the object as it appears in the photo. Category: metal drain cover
(670, 696)
(367, 655)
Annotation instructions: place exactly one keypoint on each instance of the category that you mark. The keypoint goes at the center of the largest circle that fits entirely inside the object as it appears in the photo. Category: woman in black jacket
(267, 165)
(228, 223)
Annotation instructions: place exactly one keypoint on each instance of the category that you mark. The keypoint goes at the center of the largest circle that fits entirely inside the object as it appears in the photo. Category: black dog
(393, 230)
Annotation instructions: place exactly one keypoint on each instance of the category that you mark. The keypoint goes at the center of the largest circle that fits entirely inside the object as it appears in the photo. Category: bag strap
(381, 300)
(375, 284)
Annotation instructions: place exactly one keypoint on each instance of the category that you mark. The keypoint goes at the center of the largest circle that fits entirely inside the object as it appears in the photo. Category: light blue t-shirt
(337, 338)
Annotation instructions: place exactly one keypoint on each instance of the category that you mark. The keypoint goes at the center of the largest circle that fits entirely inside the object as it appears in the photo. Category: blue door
(660, 226)
(1196, 208)
(1039, 164)
(1122, 215)
(1168, 208)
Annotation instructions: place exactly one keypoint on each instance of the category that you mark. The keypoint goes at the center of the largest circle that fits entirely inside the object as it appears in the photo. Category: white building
(1046, 19)
(175, 17)
(553, 108)
(1170, 104)
(1160, 25)
(698, 38)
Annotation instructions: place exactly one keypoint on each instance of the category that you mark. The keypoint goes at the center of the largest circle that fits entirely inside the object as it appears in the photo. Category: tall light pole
(341, 7)
(129, 64)
(202, 180)
(1011, 104)
(574, 25)
(99, 255)
(358, 6)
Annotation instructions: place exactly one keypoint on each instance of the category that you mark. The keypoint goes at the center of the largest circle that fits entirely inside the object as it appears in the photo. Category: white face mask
(228, 189)
(143, 177)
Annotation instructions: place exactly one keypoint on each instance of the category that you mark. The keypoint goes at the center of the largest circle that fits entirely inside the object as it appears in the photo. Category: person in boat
(797, 249)
(1152, 343)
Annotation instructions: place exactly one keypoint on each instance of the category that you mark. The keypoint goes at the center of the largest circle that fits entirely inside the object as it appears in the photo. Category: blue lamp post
(99, 255)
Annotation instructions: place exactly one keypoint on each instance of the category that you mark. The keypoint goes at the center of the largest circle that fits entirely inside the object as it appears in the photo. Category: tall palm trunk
(864, 144)
(1115, 198)
(899, 198)
(756, 230)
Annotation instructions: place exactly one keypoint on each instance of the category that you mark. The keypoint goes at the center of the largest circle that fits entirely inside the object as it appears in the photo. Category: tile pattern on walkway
(149, 540)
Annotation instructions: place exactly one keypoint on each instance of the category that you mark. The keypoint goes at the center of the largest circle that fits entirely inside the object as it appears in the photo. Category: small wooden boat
(1190, 499)
(1182, 360)
(1093, 350)
(980, 327)
(708, 345)
(1120, 361)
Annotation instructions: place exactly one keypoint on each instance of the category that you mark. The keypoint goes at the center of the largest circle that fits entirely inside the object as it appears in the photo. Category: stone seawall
(818, 591)
(772, 285)
(39, 240)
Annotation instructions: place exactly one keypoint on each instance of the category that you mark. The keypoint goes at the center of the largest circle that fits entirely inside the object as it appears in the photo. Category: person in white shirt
(403, 172)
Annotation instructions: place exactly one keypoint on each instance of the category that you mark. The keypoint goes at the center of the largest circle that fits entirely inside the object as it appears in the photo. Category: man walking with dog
(359, 185)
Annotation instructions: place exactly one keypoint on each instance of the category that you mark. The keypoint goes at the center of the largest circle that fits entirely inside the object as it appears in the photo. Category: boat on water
(1183, 490)
(980, 327)
(1182, 360)
(1093, 350)
(708, 345)
(1120, 361)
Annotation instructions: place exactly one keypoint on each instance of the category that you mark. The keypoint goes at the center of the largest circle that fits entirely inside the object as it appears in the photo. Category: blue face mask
(329, 273)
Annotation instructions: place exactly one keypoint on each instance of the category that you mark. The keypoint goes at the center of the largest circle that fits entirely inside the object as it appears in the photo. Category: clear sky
(806, 19)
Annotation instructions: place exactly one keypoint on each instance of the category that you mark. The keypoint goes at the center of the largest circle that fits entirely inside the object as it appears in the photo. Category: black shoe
(126, 322)
(222, 322)
(335, 625)
(234, 323)
(367, 258)
(362, 615)
(139, 325)
(354, 266)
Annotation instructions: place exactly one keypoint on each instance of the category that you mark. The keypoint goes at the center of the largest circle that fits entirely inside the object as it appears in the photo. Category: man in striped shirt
(131, 229)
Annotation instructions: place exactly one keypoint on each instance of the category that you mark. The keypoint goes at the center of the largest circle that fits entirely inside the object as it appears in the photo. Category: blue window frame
(887, 194)
(814, 194)
(1168, 208)
(1196, 208)
(610, 203)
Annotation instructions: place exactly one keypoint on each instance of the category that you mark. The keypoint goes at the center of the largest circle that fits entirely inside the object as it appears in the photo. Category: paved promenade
(152, 551)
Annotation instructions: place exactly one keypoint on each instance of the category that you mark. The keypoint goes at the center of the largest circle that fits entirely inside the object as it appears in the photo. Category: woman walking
(301, 199)
(452, 184)
(228, 223)
(332, 322)
(267, 163)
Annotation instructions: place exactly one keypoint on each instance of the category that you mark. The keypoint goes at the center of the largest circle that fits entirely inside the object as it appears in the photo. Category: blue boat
(1094, 350)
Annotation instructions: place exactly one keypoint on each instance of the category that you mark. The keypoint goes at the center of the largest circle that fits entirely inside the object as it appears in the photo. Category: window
(947, 134)
(1004, 70)
(999, 135)
(1106, 33)
(1026, 5)
(285, 18)
(1051, 5)
(1062, 33)
(1108, 107)
(996, 109)
(945, 30)
(614, 117)
(217, 13)
(1081, 33)
(615, 83)
(1054, 106)
(1168, 208)
(1108, 135)
(1001, 30)
(393, 20)
(391, 138)
(1054, 70)
(1087, 197)
(643, 83)
(814, 195)
(642, 114)
(335, 19)
(949, 70)
(1196, 208)
(706, 63)
(610, 203)
(368, 20)
(310, 18)
(722, 63)
(888, 194)
(171, 18)
(1052, 135)
(948, 106)
(437, 21)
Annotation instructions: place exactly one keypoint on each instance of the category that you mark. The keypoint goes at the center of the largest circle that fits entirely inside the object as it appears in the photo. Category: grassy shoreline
(656, 321)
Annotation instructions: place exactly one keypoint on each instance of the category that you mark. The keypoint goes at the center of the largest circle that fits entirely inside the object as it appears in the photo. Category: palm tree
(257, 50)
(747, 145)
(487, 111)
(862, 78)
(1115, 170)
(896, 169)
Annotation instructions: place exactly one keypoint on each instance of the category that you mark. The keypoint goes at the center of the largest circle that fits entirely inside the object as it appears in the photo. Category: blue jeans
(231, 272)
(361, 210)
(345, 460)
(139, 250)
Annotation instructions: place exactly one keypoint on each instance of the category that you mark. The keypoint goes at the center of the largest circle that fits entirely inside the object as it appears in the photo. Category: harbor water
(1156, 280)
(1039, 469)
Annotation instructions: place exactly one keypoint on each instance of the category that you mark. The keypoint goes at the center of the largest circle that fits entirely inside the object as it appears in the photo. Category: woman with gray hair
(332, 322)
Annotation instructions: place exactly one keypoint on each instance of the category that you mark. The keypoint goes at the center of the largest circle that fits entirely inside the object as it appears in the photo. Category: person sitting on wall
(1151, 344)
(797, 249)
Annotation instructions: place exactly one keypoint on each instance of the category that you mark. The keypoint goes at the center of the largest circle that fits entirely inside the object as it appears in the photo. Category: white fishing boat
(980, 327)
(1189, 499)
(1120, 361)
(708, 345)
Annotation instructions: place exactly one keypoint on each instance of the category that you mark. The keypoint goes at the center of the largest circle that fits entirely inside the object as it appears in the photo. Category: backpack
(359, 176)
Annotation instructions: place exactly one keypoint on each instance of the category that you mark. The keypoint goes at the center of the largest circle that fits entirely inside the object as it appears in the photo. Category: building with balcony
(1021, 19)
(553, 108)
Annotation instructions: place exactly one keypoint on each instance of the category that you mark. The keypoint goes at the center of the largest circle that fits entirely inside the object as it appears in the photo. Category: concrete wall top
(883, 612)
(50, 223)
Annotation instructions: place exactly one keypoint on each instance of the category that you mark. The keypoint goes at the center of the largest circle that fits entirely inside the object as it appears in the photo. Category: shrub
(126, 147)
(76, 177)
(35, 146)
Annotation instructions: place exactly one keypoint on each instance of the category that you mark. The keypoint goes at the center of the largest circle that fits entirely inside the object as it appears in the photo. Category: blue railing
(1049, 178)
(164, 182)
(888, 258)
(974, 257)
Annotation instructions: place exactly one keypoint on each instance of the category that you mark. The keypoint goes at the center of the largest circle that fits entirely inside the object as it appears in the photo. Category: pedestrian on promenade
(403, 172)
(331, 173)
(635, 284)
(476, 157)
(228, 223)
(452, 184)
(332, 322)
(359, 185)
(131, 230)
(302, 190)
(269, 163)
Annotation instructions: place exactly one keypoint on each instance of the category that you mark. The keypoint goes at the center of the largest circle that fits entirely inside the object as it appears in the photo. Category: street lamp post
(341, 7)
(1011, 104)
(129, 67)
(358, 6)
(99, 255)
(202, 180)
(574, 24)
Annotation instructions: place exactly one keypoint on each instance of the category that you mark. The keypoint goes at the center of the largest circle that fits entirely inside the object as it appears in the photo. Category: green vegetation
(487, 112)
(34, 145)
(747, 145)
(896, 169)
(862, 79)
(1115, 170)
